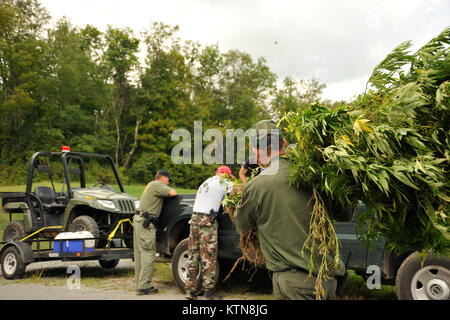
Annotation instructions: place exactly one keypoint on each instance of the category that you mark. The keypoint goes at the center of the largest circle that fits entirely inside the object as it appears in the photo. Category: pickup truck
(413, 281)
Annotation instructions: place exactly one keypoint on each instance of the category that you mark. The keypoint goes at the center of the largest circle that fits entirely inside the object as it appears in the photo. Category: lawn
(135, 190)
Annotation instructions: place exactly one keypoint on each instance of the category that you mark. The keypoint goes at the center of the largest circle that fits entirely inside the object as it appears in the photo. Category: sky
(338, 42)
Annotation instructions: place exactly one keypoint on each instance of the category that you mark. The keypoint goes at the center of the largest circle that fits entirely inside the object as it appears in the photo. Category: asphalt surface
(41, 292)
(41, 288)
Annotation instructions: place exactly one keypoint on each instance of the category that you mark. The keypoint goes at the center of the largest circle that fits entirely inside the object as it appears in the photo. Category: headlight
(107, 204)
(136, 204)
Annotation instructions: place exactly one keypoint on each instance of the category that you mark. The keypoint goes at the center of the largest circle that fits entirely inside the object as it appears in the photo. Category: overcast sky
(338, 42)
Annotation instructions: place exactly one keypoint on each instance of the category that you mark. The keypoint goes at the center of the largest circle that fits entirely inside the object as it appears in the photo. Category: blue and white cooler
(67, 242)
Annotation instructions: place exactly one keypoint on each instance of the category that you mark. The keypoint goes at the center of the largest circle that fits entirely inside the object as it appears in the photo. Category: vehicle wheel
(109, 264)
(430, 281)
(14, 231)
(85, 223)
(13, 266)
(180, 266)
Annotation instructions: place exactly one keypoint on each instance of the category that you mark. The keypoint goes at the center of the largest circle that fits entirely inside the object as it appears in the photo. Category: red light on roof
(65, 149)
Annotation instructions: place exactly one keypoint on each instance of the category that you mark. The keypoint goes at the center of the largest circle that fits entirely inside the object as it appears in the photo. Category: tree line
(123, 94)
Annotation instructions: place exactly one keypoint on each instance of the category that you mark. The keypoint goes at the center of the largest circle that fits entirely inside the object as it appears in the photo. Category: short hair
(270, 141)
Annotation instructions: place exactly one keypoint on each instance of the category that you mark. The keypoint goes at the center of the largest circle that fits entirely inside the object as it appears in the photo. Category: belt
(201, 213)
(142, 214)
(293, 269)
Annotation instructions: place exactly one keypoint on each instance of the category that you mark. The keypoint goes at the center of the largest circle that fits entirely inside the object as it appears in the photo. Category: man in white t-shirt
(202, 246)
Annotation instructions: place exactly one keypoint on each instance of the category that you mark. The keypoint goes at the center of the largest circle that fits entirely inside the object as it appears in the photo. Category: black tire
(179, 266)
(109, 264)
(86, 223)
(13, 266)
(430, 281)
(14, 231)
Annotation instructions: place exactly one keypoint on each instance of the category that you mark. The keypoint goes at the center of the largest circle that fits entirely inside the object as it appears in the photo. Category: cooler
(73, 245)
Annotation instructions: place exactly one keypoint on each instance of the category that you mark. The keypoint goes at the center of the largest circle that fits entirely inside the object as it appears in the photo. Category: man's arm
(165, 191)
(246, 211)
(172, 193)
(242, 174)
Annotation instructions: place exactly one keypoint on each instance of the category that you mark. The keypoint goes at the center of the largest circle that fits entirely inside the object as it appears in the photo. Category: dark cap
(164, 172)
(267, 132)
(266, 125)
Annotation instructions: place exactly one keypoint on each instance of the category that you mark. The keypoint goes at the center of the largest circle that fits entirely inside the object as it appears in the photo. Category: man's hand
(242, 174)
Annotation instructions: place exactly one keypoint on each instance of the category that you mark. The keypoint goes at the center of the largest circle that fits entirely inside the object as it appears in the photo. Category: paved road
(27, 291)
(51, 281)
(42, 288)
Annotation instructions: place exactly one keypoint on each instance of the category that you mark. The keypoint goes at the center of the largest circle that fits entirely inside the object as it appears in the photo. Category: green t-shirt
(280, 213)
(152, 198)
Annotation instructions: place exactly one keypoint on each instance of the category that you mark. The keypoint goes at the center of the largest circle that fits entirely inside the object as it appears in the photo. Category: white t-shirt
(210, 194)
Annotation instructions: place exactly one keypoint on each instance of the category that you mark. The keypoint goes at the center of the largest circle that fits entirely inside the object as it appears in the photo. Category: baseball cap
(164, 172)
(225, 169)
(264, 128)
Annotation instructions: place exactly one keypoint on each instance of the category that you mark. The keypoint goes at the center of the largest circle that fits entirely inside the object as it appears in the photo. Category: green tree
(295, 95)
(74, 90)
(121, 60)
(243, 86)
(22, 61)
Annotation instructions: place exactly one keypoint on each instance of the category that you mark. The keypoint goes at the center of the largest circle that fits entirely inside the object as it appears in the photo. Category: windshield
(83, 171)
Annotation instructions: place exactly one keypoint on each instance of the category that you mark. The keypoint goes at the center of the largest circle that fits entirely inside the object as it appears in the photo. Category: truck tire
(85, 223)
(14, 231)
(180, 267)
(430, 281)
(13, 266)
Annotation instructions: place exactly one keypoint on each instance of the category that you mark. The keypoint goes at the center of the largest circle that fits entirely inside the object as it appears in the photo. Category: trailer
(16, 255)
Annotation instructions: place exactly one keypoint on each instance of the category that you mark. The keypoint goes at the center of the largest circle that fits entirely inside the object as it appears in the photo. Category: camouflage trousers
(202, 252)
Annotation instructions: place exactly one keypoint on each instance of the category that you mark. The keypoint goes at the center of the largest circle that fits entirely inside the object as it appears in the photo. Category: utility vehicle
(58, 199)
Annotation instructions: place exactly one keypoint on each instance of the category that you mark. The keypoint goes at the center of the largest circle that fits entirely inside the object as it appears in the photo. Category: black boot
(191, 295)
(211, 295)
(151, 290)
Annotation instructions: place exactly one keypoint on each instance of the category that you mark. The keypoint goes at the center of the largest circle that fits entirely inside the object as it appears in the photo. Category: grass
(135, 190)
(356, 289)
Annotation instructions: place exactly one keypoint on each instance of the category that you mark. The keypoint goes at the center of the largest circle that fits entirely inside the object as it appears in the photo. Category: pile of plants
(389, 149)
(248, 242)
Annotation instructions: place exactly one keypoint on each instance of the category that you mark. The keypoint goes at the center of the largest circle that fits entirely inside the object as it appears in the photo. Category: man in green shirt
(144, 236)
(280, 213)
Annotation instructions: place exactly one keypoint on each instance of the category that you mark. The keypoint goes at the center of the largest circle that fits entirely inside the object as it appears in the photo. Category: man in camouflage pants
(202, 247)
